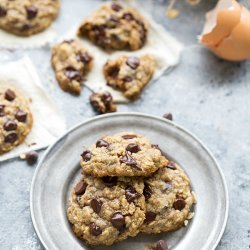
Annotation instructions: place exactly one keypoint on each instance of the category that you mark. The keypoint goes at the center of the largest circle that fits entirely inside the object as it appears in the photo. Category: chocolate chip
(3, 11)
(150, 216)
(118, 221)
(171, 165)
(127, 79)
(86, 155)
(128, 160)
(109, 181)
(116, 7)
(179, 204)
(131, 194)
(31, 12)
(73, 74)
(11, 137)
(133, 62)
(168, 116)
(31, 157)
(100, 34)
(113, 72)
(9, 95)
(107, 98)
(147, 192)
(96, 205)
(94, 229)
(127, 137)
(133, 148)
(128, 16)
(25, 27)
(10, 125)
(161, 245)
(80, 188)
(102, 143)
(83, 57)
(21, 116)
(2, 110)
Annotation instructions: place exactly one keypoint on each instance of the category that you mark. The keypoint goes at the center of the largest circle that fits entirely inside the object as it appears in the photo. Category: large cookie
(15, 118)
(27, 17)
(106, 210)
(129, 74)
(71, 62)
(169, 200)
(116, 27)
(124, 154)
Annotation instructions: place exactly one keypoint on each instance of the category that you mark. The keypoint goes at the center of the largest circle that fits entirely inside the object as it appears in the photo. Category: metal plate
(59, 169)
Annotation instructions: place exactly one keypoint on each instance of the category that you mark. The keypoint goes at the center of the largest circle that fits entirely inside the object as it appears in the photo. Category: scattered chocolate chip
(96, 205)
(31, 12)
(10, 125)
(156, 147)
(171, 165)
(86, 155)
(131, 194)
(73, 74)
(113, 72)
(83, 57)
(100, 34)
(3, 11)
(128, 160)
(118, 221)
(94, 229)
(11, 137)
(80, 188)
(21, 116)
(168, 116)
(133, 148)
(127, 137)
(9, 95)
(128, 16)
(25, 27)
(31, 157)
(147, 192)
(133, 62)
(150, 216)
(102, 143)
(2, 110)
(109, 181)
(107, 98)
(127, 79)
(116, 7)
(179, 204)
(161, 245)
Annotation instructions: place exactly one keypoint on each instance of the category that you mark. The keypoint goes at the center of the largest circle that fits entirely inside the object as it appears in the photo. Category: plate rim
(155, 117)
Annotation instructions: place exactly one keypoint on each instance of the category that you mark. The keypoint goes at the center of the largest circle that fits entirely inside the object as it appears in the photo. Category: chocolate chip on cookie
(171, 165)
(133, 148)
(102, 143)
(72, 73)
(150, 216)
(11, 137)
(83, 57)
(31, 12)
(94, 229)
(147, 191)
(21, 116)
(131, 194)
(133, 62)
(179, 204)
(2, 110)
(10, 125)
(96, 205)
(10, 95)
(109, 181)
(80, 188)
(3, 11)
(86, 155)
(127, 137)
(130, 161)
(118, 221)
(116, 7)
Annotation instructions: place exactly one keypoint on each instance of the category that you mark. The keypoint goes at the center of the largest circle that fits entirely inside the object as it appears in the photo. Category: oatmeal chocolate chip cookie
(115, 27)
(169, 200)
(102, 102)
(124, 154)
(71, 62)
(15, 118)
(129, 74)
(27, 17)
(106, 210)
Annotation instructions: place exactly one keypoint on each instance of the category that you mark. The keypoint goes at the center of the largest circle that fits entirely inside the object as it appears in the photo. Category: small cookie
(124, 154)
(106, 210)
(15, 118)
(129, 74)
(169, 200)
(27, 17)
(71, 62)
(115, 27)
(102, 102)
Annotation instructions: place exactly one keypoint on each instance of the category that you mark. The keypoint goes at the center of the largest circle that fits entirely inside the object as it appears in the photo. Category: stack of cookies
(128, 186)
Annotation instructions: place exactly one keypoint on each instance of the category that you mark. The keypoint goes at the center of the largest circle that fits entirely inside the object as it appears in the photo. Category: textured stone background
(206, 95)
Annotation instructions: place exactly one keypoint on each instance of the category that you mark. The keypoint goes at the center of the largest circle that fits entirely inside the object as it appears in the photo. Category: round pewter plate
(59, 169)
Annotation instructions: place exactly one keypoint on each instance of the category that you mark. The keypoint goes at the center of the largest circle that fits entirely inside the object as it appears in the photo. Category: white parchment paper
(48, 122)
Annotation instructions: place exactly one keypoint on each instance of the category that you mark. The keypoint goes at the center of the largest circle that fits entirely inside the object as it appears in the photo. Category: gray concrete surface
(206, 95)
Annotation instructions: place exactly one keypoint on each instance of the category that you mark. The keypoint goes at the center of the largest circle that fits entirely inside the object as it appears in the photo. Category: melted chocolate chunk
(131, 194)
(2, 110)
(21, 116)
(80, 188)
(128, 160)
(3, 11)
(179, 204)
(102, 143)
(31, 12)
(10, 125)
(116, 7)
(9, 95)
(31, 157)
(133, 62)
(168, 116)
(96, 205)
(86, 155)
(11, 137)
(133, 148)
(83, 57)
(109, 181)
(113, 72)
(147, 192)
(150, 216)
(94, 229)
(118, 221)
(73, 74)
(171, 165)
(127, 137)
(128, 16)
(107, 98)
(161, 245)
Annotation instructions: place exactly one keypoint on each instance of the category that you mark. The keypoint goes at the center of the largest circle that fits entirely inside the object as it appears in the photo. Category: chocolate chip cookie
(124, 154)
(129, 74)
(27, 17)
(71, 62)
(15, 118)
(169, 200)
(115, 27)
(106, 210)
(102, 102)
